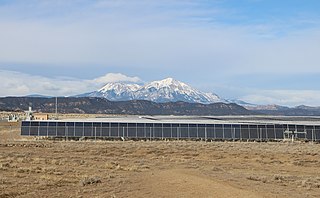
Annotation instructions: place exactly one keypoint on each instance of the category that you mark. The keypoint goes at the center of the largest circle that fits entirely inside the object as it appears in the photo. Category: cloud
(21, 84)
(196, 41)
(164, 34)
(284, 97)
(116, 77)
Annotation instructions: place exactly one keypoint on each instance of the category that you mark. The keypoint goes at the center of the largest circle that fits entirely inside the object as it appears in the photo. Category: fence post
(162, 131)
(223, 131)
(266, 132)
(234, 134)
(11, 132)
(150, 133)
(95, 133)
(314, 134)
(205, 133)
(136, 130)
(305, 133)
(197, 131)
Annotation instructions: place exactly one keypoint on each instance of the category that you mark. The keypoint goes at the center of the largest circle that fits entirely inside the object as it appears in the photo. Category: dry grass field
(42, 168)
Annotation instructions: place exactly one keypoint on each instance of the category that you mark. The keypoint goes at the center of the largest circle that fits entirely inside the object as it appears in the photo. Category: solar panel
(174, 130)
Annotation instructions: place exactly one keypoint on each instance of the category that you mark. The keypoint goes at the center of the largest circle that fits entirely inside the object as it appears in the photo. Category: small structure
(13, 118)
(40, 116)
(29, 114)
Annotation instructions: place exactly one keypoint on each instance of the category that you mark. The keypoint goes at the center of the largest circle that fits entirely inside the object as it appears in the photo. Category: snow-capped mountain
(171, 90)
(167, 90)
(116, 91)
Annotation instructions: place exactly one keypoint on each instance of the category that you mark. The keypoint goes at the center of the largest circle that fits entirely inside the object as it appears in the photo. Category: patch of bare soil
(40, 168)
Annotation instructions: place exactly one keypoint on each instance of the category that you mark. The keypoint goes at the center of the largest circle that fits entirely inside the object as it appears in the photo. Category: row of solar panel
(158, 130)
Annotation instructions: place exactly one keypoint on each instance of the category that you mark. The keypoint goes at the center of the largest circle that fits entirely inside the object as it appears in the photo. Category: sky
(259, 51)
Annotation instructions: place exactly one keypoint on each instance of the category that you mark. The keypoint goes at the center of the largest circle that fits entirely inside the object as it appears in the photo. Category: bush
(91, 180)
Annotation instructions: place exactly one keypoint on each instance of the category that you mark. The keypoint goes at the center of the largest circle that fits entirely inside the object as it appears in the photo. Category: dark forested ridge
(93, 105)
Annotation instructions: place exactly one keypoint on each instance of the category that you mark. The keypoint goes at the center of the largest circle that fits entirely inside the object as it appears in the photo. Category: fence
(170, 130)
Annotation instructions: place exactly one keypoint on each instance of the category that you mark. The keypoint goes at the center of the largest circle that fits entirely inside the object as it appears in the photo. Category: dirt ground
(42, 168)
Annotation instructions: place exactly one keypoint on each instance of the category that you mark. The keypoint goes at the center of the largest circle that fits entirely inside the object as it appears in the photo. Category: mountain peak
(169, 80)
(119, 86)
(168, 83)
(116, 91)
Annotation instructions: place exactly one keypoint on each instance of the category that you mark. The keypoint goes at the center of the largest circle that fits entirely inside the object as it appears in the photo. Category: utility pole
(56, 108)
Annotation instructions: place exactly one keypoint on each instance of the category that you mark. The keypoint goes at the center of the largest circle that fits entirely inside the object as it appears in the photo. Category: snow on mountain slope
(171, 90)
(116, 91)
(167, 90)
(119, 87)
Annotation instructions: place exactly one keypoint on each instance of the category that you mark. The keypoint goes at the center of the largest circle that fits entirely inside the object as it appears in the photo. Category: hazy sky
(261, 51)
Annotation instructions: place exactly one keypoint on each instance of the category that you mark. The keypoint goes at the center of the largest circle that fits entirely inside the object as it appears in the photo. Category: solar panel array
(168, 130)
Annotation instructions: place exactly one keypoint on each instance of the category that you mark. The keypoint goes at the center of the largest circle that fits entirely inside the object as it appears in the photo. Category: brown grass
(30, 168)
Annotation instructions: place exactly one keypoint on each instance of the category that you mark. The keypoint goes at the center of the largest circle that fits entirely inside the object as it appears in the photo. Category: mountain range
(170, 90)
(301, 110)
(164, 97)
(167, 90)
